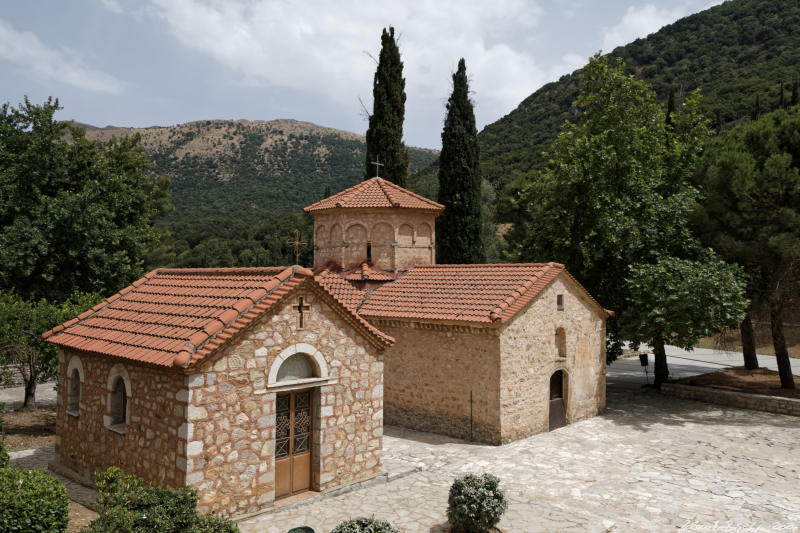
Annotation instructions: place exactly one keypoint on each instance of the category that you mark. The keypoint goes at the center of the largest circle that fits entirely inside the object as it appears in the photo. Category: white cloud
(641, 22)
(318, 47)
(112, 5)
(64, 66)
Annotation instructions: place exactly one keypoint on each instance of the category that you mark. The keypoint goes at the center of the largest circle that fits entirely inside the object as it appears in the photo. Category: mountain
(227, 173)
(734, 52)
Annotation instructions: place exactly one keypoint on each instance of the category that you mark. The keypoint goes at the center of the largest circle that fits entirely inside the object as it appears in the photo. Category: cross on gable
(301, 307)
(297, 243)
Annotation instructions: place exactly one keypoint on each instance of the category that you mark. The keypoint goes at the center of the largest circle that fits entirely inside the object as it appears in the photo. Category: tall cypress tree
(670, 106)
(458, 229)
(794, 99)
(385, 133)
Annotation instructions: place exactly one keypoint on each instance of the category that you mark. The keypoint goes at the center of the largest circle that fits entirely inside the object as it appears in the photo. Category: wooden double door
(292, 443)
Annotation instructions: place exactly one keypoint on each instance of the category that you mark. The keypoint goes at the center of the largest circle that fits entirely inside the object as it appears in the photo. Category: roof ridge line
(184, 361)
(381, 181)
(412, 193)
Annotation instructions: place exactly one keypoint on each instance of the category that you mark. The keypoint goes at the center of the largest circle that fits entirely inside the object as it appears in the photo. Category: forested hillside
(738, 53)
(238, 187)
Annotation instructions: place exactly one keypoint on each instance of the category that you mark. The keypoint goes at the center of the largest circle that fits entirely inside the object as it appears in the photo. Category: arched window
(74, 392)
(119, 403)
(561, 342)
(297, 366)
(73, 385)
(118, 412)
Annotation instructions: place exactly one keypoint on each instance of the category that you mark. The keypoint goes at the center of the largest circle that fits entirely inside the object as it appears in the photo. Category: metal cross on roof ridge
(297, 243)
(377, 164)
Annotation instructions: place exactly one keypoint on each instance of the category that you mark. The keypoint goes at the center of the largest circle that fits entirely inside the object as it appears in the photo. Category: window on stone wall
(369, 252)
(297, 366)
(561, 342)
(74, 392)
(119, 403)
(560, 302)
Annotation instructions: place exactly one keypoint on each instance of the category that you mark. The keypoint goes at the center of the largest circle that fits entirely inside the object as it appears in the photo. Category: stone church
(256, 384)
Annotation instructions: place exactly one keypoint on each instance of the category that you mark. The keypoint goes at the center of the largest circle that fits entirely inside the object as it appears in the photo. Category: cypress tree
(670, 106)
(458, 229)
(385, 132)
(327, 192)
(756, 110)
(782, 102)
(793, 101)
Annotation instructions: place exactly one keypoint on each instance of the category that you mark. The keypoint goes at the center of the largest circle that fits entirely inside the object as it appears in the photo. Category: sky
(140, 63)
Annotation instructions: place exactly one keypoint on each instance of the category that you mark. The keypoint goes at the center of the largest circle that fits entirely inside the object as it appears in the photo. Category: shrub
(31, 501)
(126, 505)
(214, 524)
(4, 460)
(476, 503)
(364, 525)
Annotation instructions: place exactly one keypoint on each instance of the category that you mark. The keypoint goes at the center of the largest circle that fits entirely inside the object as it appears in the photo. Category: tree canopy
(459, 228)
(616, 196)
(385, 132)
(750, 177)
(74, 214)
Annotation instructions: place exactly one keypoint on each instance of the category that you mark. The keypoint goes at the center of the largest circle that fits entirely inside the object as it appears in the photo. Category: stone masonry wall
(399, 237)
(530, 356)
(151, 446)
(231, 427)
(430, 373)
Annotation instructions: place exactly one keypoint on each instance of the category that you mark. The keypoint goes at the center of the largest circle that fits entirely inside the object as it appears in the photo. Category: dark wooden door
(558, 410)
(292, 443)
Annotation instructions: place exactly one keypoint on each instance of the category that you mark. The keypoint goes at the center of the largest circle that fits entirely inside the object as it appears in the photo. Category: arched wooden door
(292, 443)
(558, 409)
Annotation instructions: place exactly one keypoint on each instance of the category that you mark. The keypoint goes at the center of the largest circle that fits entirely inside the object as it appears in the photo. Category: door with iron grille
(558, 410)
(292, 443)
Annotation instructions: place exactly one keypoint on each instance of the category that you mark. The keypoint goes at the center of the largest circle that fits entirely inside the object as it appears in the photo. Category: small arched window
(561, 342)
(119, 403)
(297, 366)
(74, 392)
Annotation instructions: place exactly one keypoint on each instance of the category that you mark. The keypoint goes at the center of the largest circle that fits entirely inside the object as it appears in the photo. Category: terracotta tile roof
(375, 192)
(463, 293)
(349, 296)
(178, 316)
(341, 289)
(367, 272)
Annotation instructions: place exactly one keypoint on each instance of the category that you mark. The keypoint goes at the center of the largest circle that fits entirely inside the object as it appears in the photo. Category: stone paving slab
(651, 463)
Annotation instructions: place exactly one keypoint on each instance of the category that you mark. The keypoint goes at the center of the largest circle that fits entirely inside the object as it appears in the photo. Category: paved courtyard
(650, 463)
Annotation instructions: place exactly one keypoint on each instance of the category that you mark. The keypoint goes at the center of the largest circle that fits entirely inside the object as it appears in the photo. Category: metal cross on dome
(297, 243)
(377, 164)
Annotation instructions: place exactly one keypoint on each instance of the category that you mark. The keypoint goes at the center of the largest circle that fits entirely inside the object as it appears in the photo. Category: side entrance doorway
(558, 410)
(292, 443)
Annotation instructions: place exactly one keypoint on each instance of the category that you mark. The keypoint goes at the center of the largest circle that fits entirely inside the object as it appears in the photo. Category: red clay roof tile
(375, 192)
(462, 293)
(171, 312)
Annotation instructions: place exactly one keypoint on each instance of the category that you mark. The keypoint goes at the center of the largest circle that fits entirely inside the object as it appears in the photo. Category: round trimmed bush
(32, 501)
(364, 525)
(476, 503)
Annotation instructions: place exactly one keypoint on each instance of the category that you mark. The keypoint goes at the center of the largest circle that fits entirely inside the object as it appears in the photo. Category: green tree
(678, 302)
(460, 226)
(751, 214)
(74, 214)
(385, 132)
(21, 326)
(616, 192)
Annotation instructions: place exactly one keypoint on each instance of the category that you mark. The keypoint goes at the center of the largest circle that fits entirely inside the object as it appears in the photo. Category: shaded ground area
(28, 429)
(739, 379)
